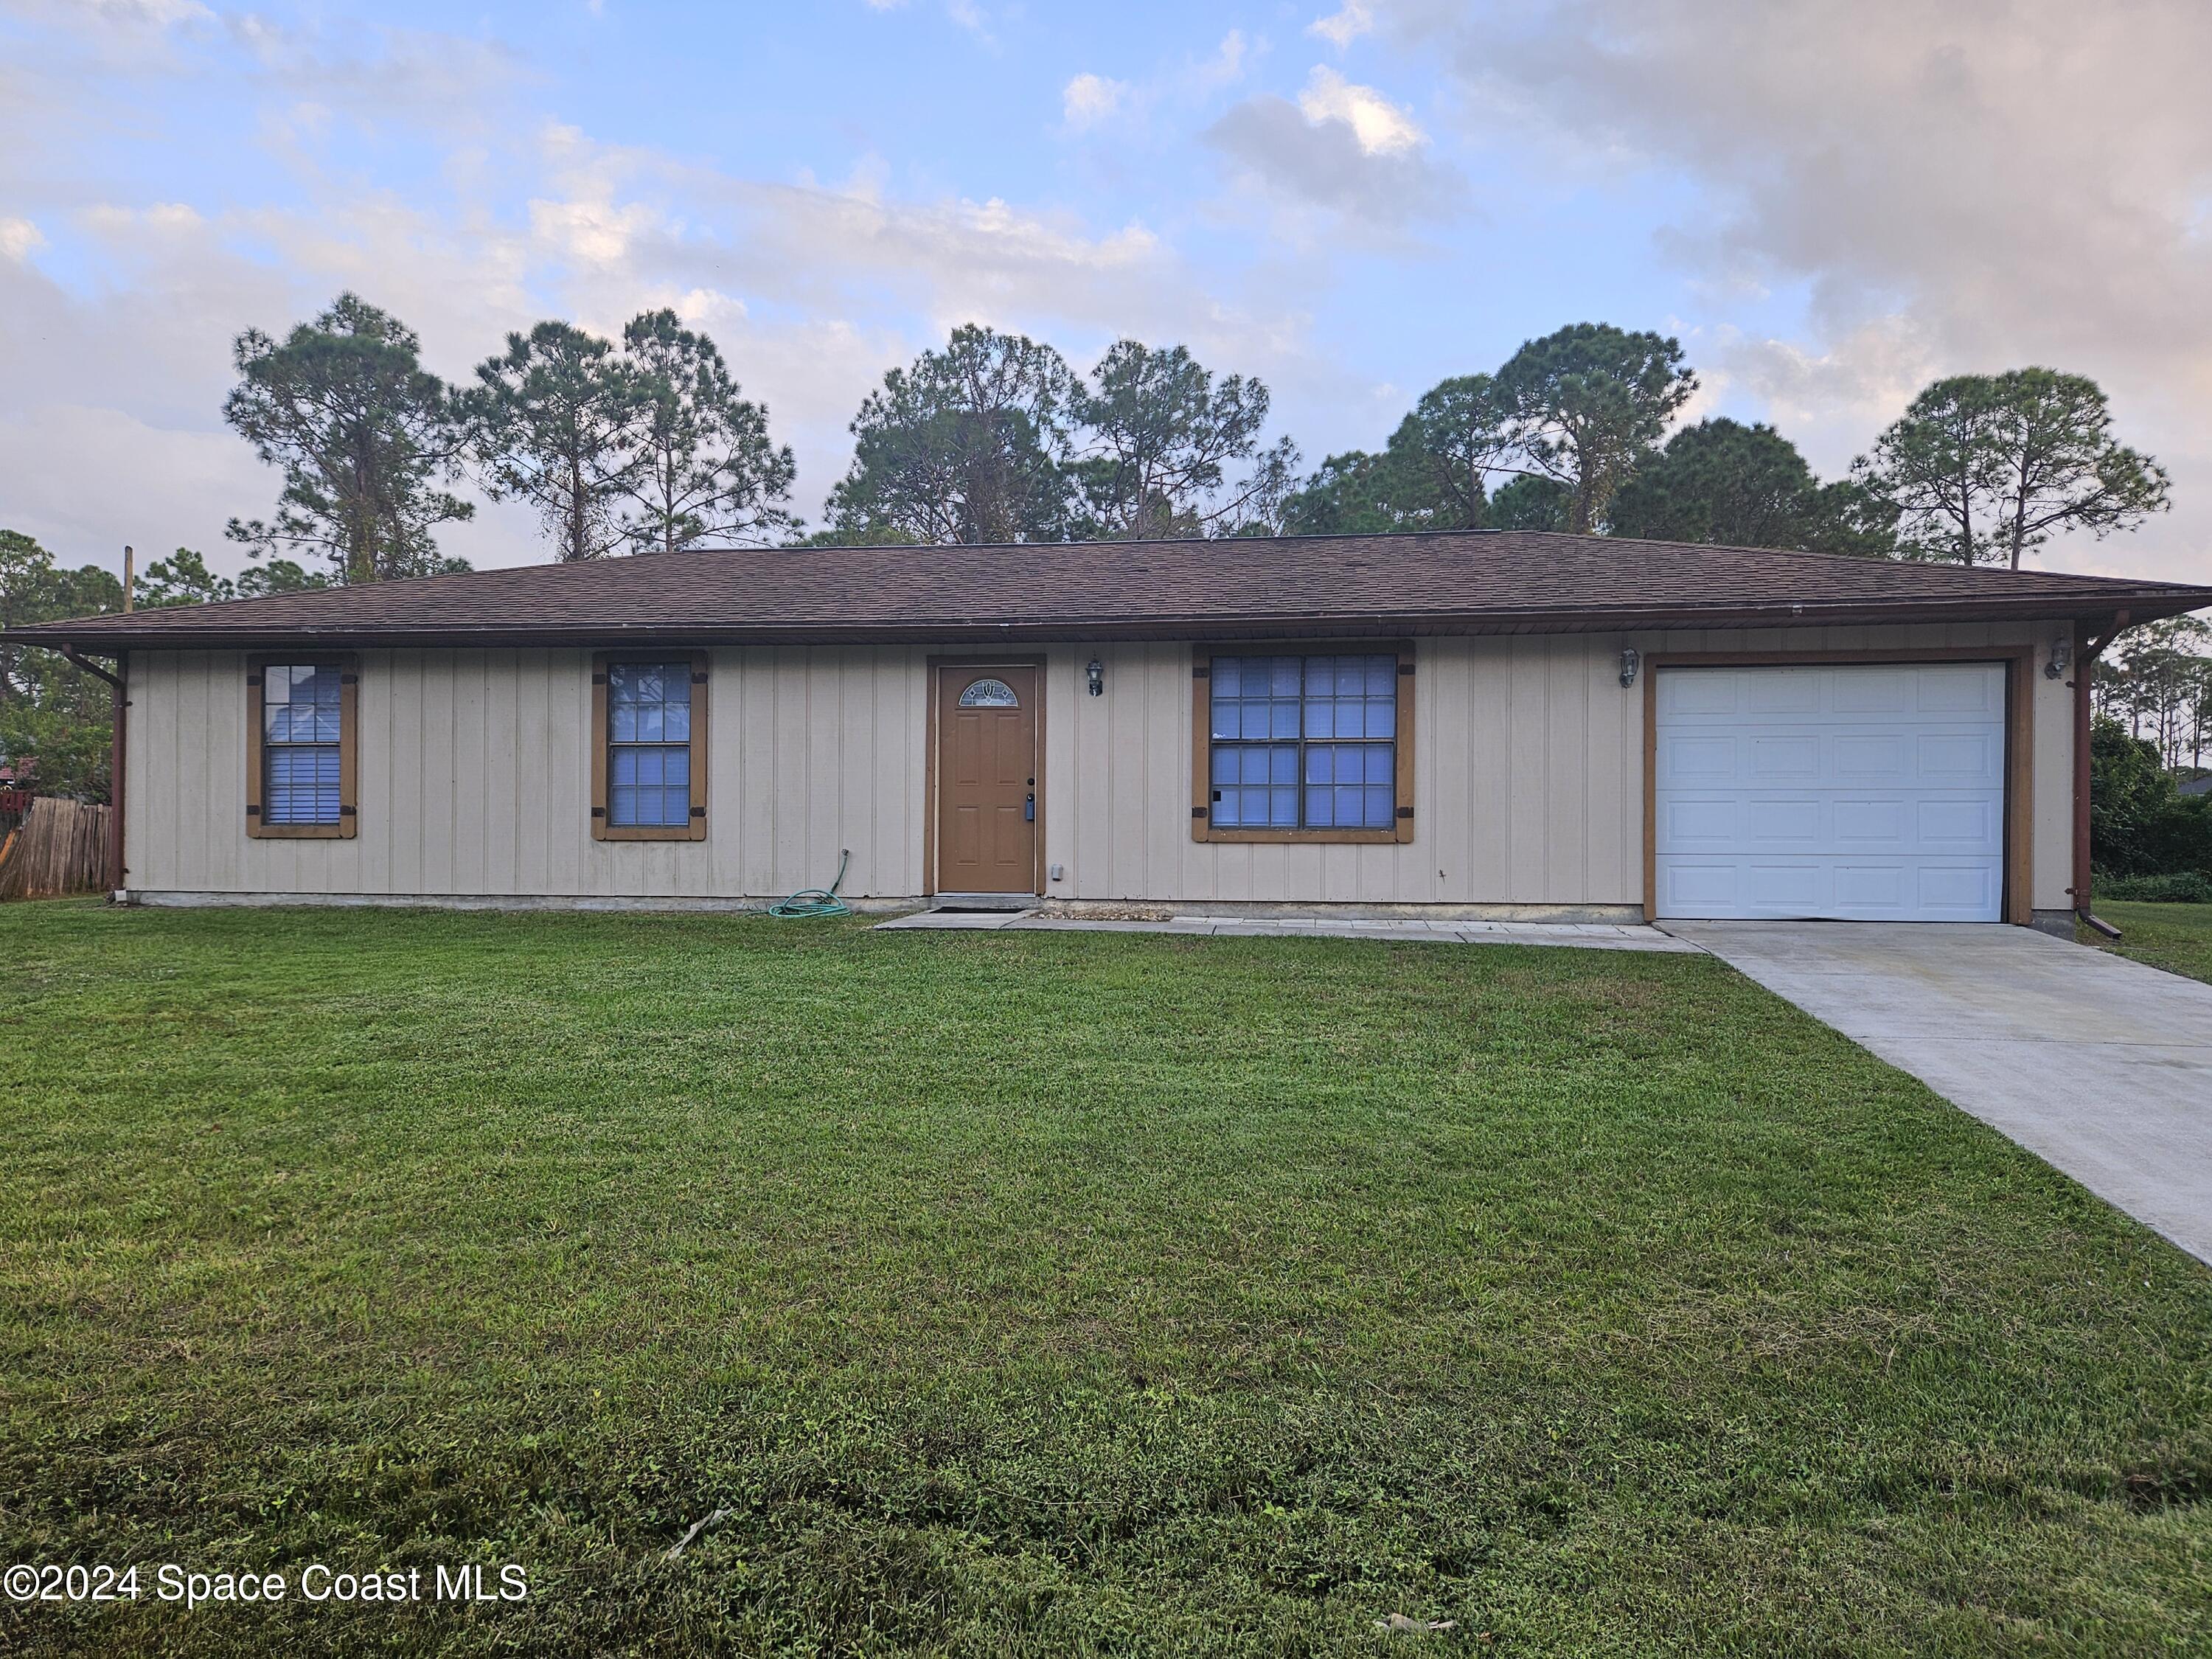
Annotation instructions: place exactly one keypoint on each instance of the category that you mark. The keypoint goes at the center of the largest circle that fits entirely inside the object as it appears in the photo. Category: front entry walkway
(1588, 936)
(2099, 1064)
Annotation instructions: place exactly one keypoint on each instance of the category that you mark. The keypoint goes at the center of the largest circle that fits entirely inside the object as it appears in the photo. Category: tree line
(2157, 683)
(649, 446)
(1979, 468)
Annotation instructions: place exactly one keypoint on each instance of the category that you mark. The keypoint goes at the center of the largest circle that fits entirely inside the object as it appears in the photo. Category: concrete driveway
(2100, 1065)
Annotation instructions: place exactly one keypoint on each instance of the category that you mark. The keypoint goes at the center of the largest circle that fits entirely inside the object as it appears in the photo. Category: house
(1491, 723)
(2197, 786)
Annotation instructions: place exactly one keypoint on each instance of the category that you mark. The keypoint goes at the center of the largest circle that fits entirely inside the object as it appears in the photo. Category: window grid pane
(649, 753)
(1352, 696)
(302, 722)
(1350, 786)
(1256, 698)
(1257, 784)
(1304, 742)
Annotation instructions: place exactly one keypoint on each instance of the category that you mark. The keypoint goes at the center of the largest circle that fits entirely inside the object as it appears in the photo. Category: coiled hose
(817, 901)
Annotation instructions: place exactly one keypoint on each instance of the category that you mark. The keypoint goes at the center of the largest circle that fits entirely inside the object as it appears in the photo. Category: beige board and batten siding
(474, 777)
(475, 780)
(1528, 775)
(1524, 750)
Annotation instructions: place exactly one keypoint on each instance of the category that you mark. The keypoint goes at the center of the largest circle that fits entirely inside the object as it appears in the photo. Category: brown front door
(987, 780)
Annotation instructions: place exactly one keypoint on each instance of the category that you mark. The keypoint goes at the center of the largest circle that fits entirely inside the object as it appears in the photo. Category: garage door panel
(1959, 757)
(1688, 759)
(1783, 887)
(1864, 823)
(1785, 757)
(1872, 885)
(1964, 891)
(1694, 884)
(1865, 757)
(1800, 821)
(1785, 691)
(1960, 826)
(1686, 826)
(1960, 688)
(1872, 793)
(1883, 692)
(1684, 695)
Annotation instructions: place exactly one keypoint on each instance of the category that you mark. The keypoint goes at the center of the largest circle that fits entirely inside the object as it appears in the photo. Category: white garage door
(1873, 794)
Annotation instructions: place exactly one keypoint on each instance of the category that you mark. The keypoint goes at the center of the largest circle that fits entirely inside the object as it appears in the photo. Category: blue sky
(1829, 204)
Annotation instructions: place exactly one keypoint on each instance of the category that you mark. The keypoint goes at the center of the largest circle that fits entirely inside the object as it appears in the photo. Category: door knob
(1028, 809)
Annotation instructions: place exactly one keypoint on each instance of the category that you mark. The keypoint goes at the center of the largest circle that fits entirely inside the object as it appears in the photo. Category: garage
(1866, 791)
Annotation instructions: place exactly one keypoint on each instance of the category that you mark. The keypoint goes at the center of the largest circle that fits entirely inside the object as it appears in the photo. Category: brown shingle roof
(1478, 581)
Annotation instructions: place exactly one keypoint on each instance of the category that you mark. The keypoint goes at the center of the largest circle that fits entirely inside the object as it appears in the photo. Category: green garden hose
(817, 901)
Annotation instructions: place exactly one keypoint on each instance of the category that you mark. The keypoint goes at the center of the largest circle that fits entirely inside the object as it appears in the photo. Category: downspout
(116, 756)
(2085, 671)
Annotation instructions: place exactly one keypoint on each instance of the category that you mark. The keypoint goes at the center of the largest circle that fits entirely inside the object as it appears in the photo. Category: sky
(1829, 205)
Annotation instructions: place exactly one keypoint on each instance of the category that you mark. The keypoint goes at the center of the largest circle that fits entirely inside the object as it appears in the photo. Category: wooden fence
(61, 847)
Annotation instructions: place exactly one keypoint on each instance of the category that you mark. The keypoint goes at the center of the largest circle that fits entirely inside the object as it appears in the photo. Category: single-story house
(1486, 723)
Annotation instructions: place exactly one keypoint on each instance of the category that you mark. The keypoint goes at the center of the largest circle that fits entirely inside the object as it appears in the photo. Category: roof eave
(102, 635)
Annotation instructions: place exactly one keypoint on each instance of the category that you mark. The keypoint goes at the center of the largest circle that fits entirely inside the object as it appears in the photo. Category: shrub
(2140, 823)
(2187, 887)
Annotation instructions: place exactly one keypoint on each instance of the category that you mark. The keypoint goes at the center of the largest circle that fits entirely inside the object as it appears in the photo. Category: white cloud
(1088, 99)
(1225, 68)
(1091, 102)
(1343, 147)
(1380, 126)
(88, 14)
(1342, 27)
(20, 238)
(966, 13)
(812, 290)
(1860, 380)
(160, 13)
(969, 16)
(597, 233)
(1996, 183)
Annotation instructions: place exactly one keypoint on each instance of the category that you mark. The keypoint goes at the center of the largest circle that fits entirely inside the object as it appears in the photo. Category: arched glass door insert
(990, 694)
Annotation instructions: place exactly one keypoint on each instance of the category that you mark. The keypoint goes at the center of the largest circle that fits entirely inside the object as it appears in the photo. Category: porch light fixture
(1630, 662)
(2060, 654)
(1094, 671)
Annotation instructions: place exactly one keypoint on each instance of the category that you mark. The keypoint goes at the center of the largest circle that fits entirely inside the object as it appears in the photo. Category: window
(1299, 747)
(299, 748)
(990, 694)
(648, 779)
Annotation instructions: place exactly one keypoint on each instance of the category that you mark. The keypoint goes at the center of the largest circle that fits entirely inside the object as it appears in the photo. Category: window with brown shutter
(1290, 743)
(301, 764)
(649, 746)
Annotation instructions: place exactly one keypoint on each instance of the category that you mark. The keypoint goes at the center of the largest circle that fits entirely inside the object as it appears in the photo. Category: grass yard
(1051, 1294)
(2175, 937)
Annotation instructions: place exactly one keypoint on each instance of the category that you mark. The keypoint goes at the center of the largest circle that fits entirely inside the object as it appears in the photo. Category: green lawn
(2175, 937)
(1053, 1294)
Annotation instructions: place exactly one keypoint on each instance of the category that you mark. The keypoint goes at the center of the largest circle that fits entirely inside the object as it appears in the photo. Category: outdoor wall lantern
(2060, 654)
(1094, 671)
(1630, 661)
